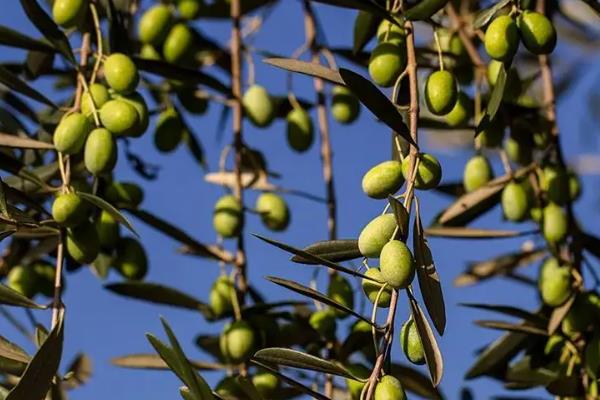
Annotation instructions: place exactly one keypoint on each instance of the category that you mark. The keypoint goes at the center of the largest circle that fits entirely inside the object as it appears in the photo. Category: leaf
(195, 148)
(250, 180)
(525, 371)
(494, 101)
(248, 388)
(159, 294)
(472, 233)
(429, 280)
(116, 29)
(402, 217)
(414, 381)
(11, 297)
(364, 5)
(109, 208)
(316, 259)
(297, 359)
(424, 9)
(15, 83)
(306, 68)
(484, 16)
(154, 362)
(567, 386)
(10, 37)
(181, 236)
(497, 354)
(332, 250)
(291, 381)
(591, 243)
(377, 102)
(433, 356)
(510, 327)
(313, 294)
(79, 372)
(48, 28)
(366, 31)
(510, 311)
(37, 378)
(558, 314)
(13, 359)
(7, 140)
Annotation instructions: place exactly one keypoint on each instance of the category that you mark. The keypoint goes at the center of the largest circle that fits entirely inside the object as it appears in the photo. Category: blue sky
(105, 326)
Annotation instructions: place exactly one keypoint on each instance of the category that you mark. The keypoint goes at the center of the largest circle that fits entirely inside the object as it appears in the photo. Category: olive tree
(454, 66)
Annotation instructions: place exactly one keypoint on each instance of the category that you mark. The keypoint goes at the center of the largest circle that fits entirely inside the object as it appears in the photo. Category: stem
(459, 26)
(57, 303)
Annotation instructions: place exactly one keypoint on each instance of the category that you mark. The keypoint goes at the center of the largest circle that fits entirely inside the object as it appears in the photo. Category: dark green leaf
(567, 386)
(306, 68)
(414, 381)
(15, 83)
(37, 378)
(366, 31)
(11, 297)
(402, 217)
(484, 16)
(510, 311)
(297, 359)
(48, 28)
(19, 142)
(525, 371)
(424, 9)
(377, 102)
(332, 250)
(248, 388)
(364, 5)
(78, 373)
(495, 100)
(291, 381)
(13, 359)
(195, 148)
(472, 233)
(10, 37)
(109, 208)
(433, 355)
(497, 354)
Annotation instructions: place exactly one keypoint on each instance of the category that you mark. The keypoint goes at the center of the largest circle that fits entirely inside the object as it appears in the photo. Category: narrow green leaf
(365, 28)
(296, 359)
(472, 233)
(13, 354)
(155, 362)
(290, 381)
(48, 28)
(484, 16)
(433, 355)
(510, 311)
(78, 373)
(10, 37)
(37, 378)
(306, 68)
(377, 102)
(424, 9)
(248, 388)
(525, 371)
(494, 101)
(11, 297)
(510, 327)
(497, 354)
(332, 250)
(7, 140)
(402, 217)
(109, 208)
(414, 381)
(15, 83)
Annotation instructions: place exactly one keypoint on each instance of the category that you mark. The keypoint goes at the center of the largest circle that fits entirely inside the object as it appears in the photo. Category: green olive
(372, 288)
(397, 264)
(383, 179)
(120, 117)
(555, 223)
(515, 202)
(149, 52)
(376, 234)
(537, 32)
(221, 295)
(345, 107)
(390, 32)
(411, 344)
(323, 321)
(461, 113)
(228, 218)
(189, 9)
(300, 131)
(555, 182)
(340, 290)
(237, 342)
(429, 172)
(154, 24)
(169, 131)
(355, 387)
(100, 154)
(69, 13)
(555, 282)
(179, 44)
(45, 275)
(478, 172)
(69, 210)
(387, 62)
(389, 388)
(126, 194)
(192, 101)
(513, 85)
(71, 132)
(22, 279)
(273, 210)
(502, 38)
(229, 387)
(441, 92)
(574, 186)
(120, 73)
(493, 134)
(131, 260)
(266, 384)
(451, 43)
(137, 101)
(94, 98)
(108, 229)
(82, 243)
(259, 106)
(518, 150)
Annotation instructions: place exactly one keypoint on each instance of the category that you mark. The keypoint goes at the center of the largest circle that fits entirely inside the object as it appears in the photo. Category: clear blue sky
(105, 326)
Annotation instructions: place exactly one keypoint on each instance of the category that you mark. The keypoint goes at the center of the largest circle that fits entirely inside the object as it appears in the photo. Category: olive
(300, 131)
(131, 260)
(22, 279)
(179, 45)
(461, 113)
(70, 133)
(390, 32)
(537, 32)
(274, 212)
(137, 101)
(69, 209)
(387, 62)
(389, 388)
(107, 228)
(478, 172)
(266, 384)
(376, 234)
(429, 171)
(94, 99)
(502, 38)
(228, 218)
(237, 342)
(555, 182)
(82, 243)
(518, 150)
(515, 202)
(345, 107)
(127, 194)
(574, 186)
(397, 264)
(154, 24)
(355, 387)
(555, 223)
(169, 131)
(383, 179)
(149, 52)
(69, 13)
(220, 297)
(492, 135)
(120, 73)
(100, 154)
(120, 117)
(441, 92)
(259, 106)
(411, 344)
(340, 290)
(323, 321)
(555, 282)
(372, 288)
(189, 9)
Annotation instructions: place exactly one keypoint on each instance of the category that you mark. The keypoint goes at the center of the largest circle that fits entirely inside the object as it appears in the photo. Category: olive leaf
(37, 378)
(10, 37)
(248, 388)
(13, 359)
(402, 217)
(11, 297)
(414, 381)
(109, 208)
(494, 101)
(155, 362)
(377, 103)
(78, 372)
(526, 371)
(306, 68)
(472, 233)
(366, 32)
(510, 327)
(370, 6)
(558, 314)
(290, 381)
(424, 9)
(510, 311)
(7, 140)
(567, 386)
(484, 16)
(497, 354)
(332, 250)
(15, 83)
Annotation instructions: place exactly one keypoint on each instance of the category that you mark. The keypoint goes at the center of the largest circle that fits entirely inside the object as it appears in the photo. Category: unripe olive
(519, 151)
(397, 264)
(69, 136)
(137, 101)
(274, 212)
(389, 388)
(120, 73)
(390, 32)
(536, 214)
(23, 280)
(372, 288)
(376, 234)
(69, 13)
(127, 194)
(131, 260)
(515, 202)
(154, 24)
(220, 297)
(555, 282)
(441, 92)
(179, 44)
(149, 52)
(555, 182)
(259, 106)
(192, 103)
(460, 114)
(574, 186)
(345, 107)
(478, 172)
(266, 384)
(94, 98)
(300, 131)
(554, 344)
(189, 9)
(537, 32)
(108, 230)
(555, 224)
(451, 43)
(169, 131)
(44, 278)
(492, 135)
(411, 343)
(228, 218)
(512, 86)
(387, 62)
(237, 342)
(119, 117)
(383, 179)
(355, 387)
(340, 290)
(429, 171)
(229, 387)
(323, 321)
(69, 209)
(100, 154)
(82, 243)
(502, 38)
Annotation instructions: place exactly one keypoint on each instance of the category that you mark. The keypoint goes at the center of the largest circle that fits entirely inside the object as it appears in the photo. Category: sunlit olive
(441, 92)
(266, 384)
(411, 344)
(323, 321)
(376, 234)
(149, 52)
(574, 186)
(478, 172)
(82, 243)
(69, 13)
(108, 229)
(274, 212)
(228, 218)
(429, 171)
(69, 209)
(221, 295)
(555, 224)
(154, 24)
(397, 264)
(94, 98)
(372, 288)
(345, 107)
(189, 9)
(340, 290)
(259, 106)
(300, 131)
(131, 260)
(120, 73)
(355, 387)
(137, 101)
(555, 182)
(537, 32)
(555, 282)
(120, 117)
(100, 154)
(237, 342)
(461, 113)
(179, 44)
(502, 38)
(71, 132)
(383, 179)
(126, 194)
(169, 131)
(23, 280)
(389, 388)
(390, 32)
(515, 202)
(387, 62)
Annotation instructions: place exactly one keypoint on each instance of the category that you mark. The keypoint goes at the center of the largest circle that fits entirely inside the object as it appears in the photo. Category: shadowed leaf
(297, 359)
(109, 208)
(18, 142)
(414, 381)
(332, 250)
(433, 355)
(10, 37)
(306, 68)
(484, 16)
(15, 83)
(11, 297)
(497, 354)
